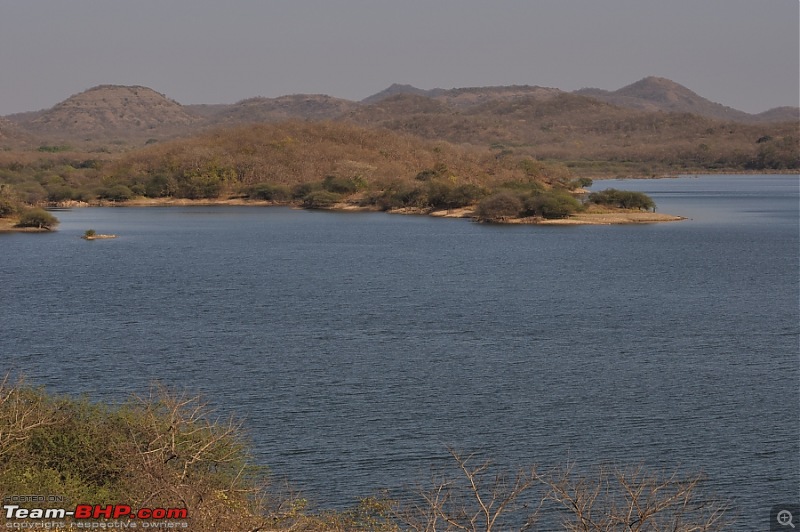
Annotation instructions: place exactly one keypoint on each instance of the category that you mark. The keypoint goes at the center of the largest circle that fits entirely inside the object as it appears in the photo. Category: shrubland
(594, 138)
(169, 450)
(328, 164)
(277, 162)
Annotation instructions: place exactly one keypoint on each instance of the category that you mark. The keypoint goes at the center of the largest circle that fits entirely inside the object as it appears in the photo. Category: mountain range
(654, 117)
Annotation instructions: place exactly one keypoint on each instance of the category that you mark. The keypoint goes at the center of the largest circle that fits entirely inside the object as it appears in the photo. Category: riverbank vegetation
(311, 165)
(168, 450)
(323, 165)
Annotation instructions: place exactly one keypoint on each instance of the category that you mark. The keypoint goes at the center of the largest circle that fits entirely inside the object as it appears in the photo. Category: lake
(358, 346)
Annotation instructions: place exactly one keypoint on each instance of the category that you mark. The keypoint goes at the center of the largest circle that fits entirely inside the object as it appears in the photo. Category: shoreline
(595, 216)
(8, 225)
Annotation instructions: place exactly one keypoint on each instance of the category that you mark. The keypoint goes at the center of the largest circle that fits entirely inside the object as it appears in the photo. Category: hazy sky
(741, 53)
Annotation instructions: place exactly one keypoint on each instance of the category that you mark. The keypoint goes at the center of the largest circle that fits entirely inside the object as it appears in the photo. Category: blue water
(357, 347)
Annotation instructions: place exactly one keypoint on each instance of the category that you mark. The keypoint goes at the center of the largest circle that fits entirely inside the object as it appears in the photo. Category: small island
(90, 234)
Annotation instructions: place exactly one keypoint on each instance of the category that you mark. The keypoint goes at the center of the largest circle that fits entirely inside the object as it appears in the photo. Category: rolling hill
(651, 126)
(110, 110)
(660, 94)
(270, 110)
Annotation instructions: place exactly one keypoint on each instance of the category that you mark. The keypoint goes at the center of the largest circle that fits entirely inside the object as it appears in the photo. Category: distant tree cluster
(623, 199)
(531, 201)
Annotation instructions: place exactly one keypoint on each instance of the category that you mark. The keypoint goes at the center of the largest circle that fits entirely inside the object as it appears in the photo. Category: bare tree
(480, 500)
(608, 499)
(633, 500)
(20, 414)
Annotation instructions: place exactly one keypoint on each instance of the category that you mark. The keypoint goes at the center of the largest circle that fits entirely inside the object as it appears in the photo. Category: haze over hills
(118, 109)
(653, 120)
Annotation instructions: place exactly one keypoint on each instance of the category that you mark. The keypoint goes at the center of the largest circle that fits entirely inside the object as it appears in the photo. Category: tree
(9, 203)
(482, 498)
(624, 199)
(498, 207)
(552, 204)
(320, 199)
(37, 218)
(116, 193)
(269, 192)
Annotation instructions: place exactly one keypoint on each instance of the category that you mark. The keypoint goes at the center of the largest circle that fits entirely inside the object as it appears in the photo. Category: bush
(62, 193)
(301, 190)
(115, 193)
(200, 186)
(581, 182)
(551, 204)
(499, 206)
(37, 218)
(165, 450)
(160, 186)
(623, 199)
(443, 195)
(269, 192)
(320, 199)
(160, 451)
(401, 196)
(481, 496)
(7, 207)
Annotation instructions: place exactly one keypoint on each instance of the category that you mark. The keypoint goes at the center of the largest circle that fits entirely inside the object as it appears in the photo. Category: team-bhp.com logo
(83, 513)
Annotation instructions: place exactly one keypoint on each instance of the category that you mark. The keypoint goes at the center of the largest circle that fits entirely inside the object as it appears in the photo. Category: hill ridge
(111, 109)
(495, 114)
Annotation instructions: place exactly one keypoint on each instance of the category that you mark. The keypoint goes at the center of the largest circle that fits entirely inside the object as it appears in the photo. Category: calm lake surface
(357, 347)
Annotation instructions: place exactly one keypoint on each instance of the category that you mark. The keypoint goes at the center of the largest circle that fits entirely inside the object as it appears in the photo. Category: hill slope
(112, 110)
(295, 106)
(661, 94)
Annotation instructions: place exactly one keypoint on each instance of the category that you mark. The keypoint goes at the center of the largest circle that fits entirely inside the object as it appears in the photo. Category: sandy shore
(593, 216)
(610, 218)
(606, 217)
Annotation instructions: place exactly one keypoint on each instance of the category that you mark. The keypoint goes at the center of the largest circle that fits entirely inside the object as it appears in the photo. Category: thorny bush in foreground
(167, 450)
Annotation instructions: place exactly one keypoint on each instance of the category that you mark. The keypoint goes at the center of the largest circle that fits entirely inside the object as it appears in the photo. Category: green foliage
(320, 199)
(443, 194)
(551, 204)
(776, 154)
(37, 218)
(89, 233)
(31, 192)
(269, 192)
(398, 196)
(115, 193)
(581, 182)
(53, 149)
(301, 190)
(499, 206)
(623, 199)
(163, 451)
(161, 186)
(7, 207)
(9, 203)
(62, 193)
(200, 185)
(435, 194)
